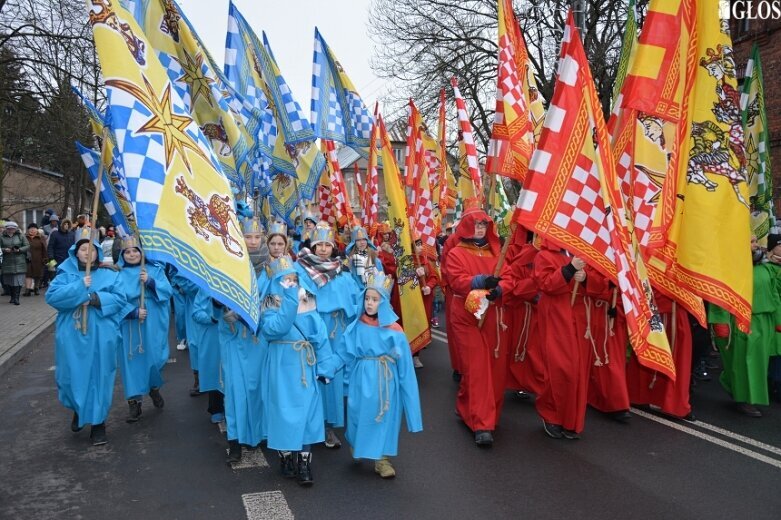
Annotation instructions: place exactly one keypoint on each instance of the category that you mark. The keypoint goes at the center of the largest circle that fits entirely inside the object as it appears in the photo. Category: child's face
(276, 246)
(132, 255)
(324, 250)
(291, 278)
(253, 241)
(361, 244)
(86, 253)
(371, 302)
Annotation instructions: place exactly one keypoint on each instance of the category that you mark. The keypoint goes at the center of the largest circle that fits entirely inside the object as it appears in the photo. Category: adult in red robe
(428, 276)
(608, 336)
(647, 386)
(452, 344)
(470, 265)
(526, 366)
(562, 323)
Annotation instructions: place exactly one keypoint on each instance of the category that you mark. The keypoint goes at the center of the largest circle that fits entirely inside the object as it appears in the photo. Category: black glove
(493, 294)
(323, 380)
(491, 282)
(94, 300)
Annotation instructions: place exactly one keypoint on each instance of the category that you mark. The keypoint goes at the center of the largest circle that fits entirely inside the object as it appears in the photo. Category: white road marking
(267, 505)
(170, 360)
(250, 459)
(710, 438)
(439, 335)
(52, 368)
(739, 437)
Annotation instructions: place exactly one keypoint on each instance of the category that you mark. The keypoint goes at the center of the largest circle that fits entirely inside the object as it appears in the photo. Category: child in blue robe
(144, 349)
(336, 293)
(299, 355)
(86, 360)
(193, 331)
(242, 357)
(205, 315)
(381, 379)
(362, 257)
(179, 304)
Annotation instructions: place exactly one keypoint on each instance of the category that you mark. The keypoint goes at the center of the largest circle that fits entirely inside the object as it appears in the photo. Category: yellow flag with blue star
(184, 205)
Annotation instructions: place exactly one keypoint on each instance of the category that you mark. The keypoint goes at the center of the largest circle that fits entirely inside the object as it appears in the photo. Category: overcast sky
(290, 27)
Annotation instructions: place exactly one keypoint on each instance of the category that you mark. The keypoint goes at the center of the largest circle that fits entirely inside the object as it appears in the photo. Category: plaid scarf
(319, 270)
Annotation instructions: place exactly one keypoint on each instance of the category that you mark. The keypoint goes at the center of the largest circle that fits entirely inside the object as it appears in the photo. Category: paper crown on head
(281, 264)
(322, 233)
(310, 215)
(381, 283)
(277, 228)
(83, 233)
(130, 241)
(471, 205)
(251, 225)
(359, 233)
(383, 228)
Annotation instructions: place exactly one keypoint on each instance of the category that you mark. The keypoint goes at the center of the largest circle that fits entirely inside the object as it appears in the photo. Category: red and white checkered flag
(466, 135)
(572, 198)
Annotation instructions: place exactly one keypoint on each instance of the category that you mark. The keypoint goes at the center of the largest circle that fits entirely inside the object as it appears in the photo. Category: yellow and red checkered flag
(512, 135)
(572, 198)
(684, 76)
(640, 149)
(466, 137)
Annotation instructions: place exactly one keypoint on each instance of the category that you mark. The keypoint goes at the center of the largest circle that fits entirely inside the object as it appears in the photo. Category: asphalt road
(172, 463)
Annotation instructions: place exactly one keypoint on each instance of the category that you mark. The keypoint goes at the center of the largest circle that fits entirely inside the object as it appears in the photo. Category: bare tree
(421, 44)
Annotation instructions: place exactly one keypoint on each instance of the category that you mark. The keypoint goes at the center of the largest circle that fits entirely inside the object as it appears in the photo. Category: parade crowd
(330, 350)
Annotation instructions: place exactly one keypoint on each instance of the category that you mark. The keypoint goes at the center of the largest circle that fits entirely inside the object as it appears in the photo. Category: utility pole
(579, 9)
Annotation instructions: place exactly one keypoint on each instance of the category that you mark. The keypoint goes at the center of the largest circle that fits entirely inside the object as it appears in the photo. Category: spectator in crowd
(47, 215)
(36, 260)
(14, 266)
(60, 241)
(54, 223)
(107, 244)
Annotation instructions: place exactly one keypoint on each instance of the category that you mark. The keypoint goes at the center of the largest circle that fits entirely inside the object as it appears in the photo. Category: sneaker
(331, 440)
(234, 451)
(182, 345)
(435, 322)
(157, 399)
(749, 410)
(75, 428)
(134, 410)
(217, 418)
(570, 434)
(521, 394)
(195, 391)
(553, 431)
(416, 362)
(305, 469)
(484, 439)
(98, 434)
(701, 373)
(384, 468)
(286, 464)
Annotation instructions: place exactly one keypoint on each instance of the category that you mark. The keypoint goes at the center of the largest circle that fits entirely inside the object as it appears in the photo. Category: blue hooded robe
(336, 303)
(382, 383)
(192, 330)
(242, 357)
(86, 364)
(206, 334)
(179, 302)
(298, 352)
(144, 350)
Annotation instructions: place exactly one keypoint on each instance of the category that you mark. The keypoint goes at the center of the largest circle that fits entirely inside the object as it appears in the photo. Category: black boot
(75, 428)
(157, 399)
(27, 292)
(305, 468)
(287, 465)
(134, 410)
(234, 451)
(16, 292)
(98, 434)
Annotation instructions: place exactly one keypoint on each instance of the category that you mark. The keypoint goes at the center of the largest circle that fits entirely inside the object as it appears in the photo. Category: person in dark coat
(60, 241)
(37, 258)
(14, 246)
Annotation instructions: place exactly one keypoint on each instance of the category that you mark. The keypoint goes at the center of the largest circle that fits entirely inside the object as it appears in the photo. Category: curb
(12, 355)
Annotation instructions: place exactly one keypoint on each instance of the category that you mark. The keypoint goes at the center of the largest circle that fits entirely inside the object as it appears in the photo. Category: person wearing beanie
(144, 352)
(14, 267)
(36, 261)
(362, 258)
(746, 357)
(85, 348)
(335, 292)
(381, 379)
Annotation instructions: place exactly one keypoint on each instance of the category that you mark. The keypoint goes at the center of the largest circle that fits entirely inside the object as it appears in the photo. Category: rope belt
(306, 354)
(672, 323)
(500, 327)
(338, 317)
(525, 332)
(588, 302)
(608, 328)
(384, 377)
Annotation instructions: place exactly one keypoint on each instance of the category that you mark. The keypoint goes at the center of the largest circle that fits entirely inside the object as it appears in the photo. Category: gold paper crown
(310, 215)
(278, 228)
(323, 233)
(283, 263)
(83, 233)
(252, 225)
(383, 228)
(130, 241)
(471, 205)
(380, 282)
(359, 233)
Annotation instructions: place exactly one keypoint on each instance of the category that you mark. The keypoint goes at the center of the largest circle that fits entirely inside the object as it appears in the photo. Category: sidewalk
(20, 325)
